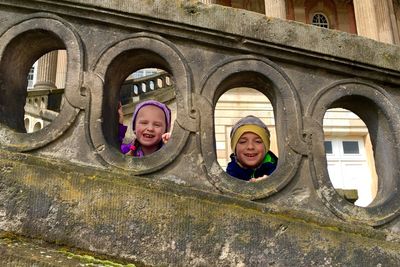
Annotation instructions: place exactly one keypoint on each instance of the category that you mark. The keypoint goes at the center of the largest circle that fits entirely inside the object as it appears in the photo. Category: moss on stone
(93, 261)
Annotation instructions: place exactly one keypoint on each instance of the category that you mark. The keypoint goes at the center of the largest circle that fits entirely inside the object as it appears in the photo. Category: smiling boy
(250, 140)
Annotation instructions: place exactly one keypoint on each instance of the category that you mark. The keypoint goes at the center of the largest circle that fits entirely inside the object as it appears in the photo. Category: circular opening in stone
(20, 99)
(350, 157)
(46, 85)
(358, 133)
(232, 106)
(128, 82)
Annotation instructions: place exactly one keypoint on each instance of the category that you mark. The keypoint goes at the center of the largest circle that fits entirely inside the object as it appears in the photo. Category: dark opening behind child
(251, 159)
(151, 123)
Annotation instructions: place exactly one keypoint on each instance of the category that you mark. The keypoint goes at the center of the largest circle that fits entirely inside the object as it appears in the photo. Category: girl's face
(149, 127)
(250, 150)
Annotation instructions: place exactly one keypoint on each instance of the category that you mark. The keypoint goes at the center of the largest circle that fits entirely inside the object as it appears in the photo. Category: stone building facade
(378, 20)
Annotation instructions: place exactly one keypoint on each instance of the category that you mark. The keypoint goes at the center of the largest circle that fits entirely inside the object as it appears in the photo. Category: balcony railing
(132, 88)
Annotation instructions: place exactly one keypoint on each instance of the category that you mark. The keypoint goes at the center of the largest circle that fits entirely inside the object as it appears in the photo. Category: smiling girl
(151, 123)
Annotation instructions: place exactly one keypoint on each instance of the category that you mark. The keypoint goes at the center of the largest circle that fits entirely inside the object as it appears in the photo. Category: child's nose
(250, 145)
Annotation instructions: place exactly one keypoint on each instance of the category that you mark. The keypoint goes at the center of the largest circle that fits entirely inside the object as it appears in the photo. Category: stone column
(275, 8)
(208, 1)
(385, 29)
(395, 28)
(364, 11)
(47, 70)
(373, 20)
(61, 69)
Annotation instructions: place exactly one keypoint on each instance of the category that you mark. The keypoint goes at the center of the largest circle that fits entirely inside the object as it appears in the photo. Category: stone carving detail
(271, 80)
(96, 89)
(47, 33)
(375, 106)
(125, 55)
(68, 183)
(301, 83)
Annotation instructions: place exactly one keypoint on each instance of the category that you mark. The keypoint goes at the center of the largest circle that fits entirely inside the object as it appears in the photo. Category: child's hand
(165, 137)
(254, 180)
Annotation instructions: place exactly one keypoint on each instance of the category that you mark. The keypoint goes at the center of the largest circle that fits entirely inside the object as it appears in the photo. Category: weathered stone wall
(68, 183)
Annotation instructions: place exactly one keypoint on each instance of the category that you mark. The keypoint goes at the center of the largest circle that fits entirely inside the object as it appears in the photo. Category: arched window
(320, 20)
(37, 127)
(324, 13)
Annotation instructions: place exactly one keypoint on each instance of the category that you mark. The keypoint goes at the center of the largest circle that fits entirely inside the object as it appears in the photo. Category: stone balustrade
(133, 88)
(68, 183)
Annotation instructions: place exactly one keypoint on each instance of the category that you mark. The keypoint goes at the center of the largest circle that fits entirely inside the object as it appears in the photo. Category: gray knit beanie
(250, 124)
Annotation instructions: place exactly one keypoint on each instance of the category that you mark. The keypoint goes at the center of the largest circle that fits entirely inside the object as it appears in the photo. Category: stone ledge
(246, 24)
(134, 219)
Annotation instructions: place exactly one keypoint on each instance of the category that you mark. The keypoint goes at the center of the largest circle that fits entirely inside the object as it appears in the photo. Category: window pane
(320, 20)
(328, 147)
(350, 147)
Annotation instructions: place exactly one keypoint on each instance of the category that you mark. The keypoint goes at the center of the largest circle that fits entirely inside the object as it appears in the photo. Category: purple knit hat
(163, 107)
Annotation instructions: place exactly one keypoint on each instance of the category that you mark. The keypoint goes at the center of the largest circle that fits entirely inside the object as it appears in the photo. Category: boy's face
(250, 150)
(149, 127)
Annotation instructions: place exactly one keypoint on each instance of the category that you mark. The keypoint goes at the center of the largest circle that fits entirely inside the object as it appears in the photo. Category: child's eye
(143, 122)
(259, 141)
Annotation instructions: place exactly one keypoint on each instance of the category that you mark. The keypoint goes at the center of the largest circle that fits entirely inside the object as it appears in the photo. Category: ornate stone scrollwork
(138, 51)
(268, 78)
(43, 33)
(373, 104)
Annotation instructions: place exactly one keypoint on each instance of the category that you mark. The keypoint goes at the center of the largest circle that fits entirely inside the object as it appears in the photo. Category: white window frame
(337, 149)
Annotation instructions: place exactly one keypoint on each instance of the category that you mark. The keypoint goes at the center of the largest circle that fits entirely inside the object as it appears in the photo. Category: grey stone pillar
(47, 71)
